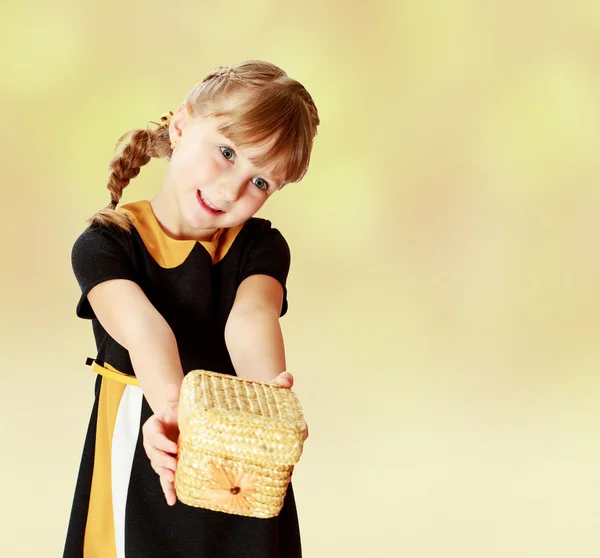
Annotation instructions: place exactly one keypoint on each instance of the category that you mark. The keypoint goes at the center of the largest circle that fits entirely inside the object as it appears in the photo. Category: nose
(231, 190)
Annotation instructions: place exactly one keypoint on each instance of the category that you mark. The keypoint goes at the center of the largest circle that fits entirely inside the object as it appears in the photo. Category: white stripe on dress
(125, 436)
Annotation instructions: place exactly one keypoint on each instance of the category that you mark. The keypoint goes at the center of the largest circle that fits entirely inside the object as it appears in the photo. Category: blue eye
(260, 183)
(227, 153)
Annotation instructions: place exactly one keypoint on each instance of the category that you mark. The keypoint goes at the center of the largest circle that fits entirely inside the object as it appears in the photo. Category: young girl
(189, 280)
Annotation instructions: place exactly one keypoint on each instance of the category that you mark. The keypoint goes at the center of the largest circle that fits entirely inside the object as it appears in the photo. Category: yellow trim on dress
(99, 537)
(113, 374)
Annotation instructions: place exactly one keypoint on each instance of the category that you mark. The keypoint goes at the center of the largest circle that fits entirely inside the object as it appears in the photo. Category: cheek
(209, 169)
(252, 202)
(198, 172)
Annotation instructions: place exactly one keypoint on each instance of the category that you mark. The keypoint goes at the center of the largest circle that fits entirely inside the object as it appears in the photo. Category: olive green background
(444, 292)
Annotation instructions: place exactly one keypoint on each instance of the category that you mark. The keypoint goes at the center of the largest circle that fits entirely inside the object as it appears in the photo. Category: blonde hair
(266, 106)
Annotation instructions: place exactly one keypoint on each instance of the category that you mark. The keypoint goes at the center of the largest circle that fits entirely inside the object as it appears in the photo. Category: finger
(155, 443)
(148, 448)
(155, 464)
(159, 441)
(169, 491)
(285, 379)
(154, 468)
(149, 425)
(166, 474)
(160, 459)
(172, 398)
(153, 425)
(166, 461)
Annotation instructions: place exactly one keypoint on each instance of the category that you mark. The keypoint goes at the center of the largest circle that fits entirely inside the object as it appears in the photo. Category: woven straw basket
(238, 443)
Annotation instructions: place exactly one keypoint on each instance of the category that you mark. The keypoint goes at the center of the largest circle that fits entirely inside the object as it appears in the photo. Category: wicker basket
(238, 443)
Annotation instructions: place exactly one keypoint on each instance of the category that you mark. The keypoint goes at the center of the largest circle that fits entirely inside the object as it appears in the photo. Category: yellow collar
(169, 252)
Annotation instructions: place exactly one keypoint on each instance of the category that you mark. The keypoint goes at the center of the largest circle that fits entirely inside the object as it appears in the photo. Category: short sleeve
(98, 255)
(270, 255)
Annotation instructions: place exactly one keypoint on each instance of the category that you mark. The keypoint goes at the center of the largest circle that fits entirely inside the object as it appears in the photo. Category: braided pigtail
(139, 147)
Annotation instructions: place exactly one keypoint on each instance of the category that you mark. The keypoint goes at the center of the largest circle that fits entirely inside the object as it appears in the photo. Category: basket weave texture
(238, 443)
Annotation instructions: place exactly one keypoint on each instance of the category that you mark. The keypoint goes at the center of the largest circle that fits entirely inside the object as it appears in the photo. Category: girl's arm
(130, 319)
(253, 334)
(255, 344)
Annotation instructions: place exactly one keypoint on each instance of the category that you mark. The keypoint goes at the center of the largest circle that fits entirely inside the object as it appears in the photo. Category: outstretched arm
(130, 319)
(253, 334)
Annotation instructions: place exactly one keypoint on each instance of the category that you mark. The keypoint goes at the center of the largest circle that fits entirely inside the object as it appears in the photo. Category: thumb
(285, 379)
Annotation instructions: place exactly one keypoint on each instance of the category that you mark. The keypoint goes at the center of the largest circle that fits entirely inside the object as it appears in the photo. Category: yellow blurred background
(444, 292)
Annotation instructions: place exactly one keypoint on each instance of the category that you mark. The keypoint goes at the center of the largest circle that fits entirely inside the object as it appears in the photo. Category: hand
(160, 434)
(286, 380)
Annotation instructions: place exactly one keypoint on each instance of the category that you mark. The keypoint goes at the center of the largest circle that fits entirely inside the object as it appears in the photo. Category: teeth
(208, 203)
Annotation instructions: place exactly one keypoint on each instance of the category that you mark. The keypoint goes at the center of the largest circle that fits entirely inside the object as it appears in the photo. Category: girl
(188, 280)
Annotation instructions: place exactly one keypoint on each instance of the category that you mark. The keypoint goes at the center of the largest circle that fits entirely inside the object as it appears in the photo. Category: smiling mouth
(206, 203)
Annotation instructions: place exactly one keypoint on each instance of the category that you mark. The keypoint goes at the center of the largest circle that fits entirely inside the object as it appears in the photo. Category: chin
(198, 223)
(194, 219)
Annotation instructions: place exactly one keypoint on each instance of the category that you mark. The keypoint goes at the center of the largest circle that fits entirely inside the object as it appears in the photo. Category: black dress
(119, 509)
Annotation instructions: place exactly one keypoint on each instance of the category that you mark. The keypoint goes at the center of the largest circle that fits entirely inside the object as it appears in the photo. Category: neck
(171, 221)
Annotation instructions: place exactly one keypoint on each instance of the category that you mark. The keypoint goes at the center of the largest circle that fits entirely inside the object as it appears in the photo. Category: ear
(179, 121)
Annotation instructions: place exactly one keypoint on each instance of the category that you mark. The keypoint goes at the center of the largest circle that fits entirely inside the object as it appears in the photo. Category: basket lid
(212, 391)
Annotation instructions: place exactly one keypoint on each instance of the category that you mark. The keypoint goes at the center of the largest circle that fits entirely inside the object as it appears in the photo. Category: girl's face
(214, 184)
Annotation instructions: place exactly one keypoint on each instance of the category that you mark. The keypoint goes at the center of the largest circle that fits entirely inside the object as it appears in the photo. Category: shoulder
(265, 245)
(259, 224)
(100, 238)
(262, 230)
(268, 254)
(104, 231)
